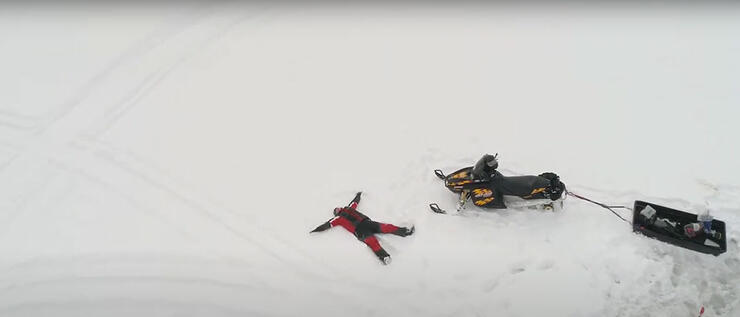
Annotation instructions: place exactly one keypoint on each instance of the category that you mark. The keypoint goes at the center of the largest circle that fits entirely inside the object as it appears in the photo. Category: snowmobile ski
(435, 208)
(440, 174)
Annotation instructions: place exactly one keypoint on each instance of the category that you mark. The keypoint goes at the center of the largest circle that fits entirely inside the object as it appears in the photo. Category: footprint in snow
(490, 285)
(546, 265)
(517, 270)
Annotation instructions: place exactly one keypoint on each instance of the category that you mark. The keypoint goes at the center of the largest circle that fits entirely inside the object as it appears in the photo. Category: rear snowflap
(556, 188)
(698, 243)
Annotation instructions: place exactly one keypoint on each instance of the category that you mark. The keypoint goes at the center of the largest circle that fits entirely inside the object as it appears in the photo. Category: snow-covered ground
(169, 160)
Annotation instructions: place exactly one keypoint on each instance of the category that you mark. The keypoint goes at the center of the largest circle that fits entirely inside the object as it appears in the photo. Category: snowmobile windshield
(485, 166)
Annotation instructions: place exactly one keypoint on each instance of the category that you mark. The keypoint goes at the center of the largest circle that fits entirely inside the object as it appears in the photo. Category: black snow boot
(403, 231)
(383, 256)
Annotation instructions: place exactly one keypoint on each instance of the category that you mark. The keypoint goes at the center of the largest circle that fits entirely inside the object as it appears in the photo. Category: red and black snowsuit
(363, 227)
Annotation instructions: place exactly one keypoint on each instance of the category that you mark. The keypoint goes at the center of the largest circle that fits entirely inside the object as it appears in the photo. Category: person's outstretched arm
(355, 201)
(325, 225)
(322, 227)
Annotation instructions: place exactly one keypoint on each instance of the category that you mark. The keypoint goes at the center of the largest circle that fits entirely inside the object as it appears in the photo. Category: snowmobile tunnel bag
(667, 225)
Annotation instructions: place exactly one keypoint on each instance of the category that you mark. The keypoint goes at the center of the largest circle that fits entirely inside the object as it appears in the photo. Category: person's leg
(392, 229)
(374, 245)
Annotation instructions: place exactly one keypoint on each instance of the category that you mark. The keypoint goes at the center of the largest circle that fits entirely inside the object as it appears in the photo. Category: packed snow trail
(170, 160)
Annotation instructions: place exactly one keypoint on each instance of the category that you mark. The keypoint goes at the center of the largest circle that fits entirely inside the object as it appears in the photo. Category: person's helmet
(337, 210)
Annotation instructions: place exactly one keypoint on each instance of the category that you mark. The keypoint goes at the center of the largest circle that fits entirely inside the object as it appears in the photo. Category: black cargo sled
(676, 227)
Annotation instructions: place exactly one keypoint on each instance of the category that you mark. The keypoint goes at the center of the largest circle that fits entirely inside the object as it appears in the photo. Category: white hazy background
(169, 159)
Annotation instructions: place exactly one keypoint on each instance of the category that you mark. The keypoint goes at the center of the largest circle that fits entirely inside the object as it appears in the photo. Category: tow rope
(611, 208)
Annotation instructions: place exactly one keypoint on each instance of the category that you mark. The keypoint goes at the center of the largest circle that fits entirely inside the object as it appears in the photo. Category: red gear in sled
(363, 227)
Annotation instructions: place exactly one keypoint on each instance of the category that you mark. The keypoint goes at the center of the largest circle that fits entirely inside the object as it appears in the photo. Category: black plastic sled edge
(700, 243)
(440, 174)
(436, 208)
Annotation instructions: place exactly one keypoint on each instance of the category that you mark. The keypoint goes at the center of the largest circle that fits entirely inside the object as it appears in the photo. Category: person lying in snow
(363, 227)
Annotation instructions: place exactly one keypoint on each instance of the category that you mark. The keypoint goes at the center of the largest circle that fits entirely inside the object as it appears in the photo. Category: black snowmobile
(488, 188)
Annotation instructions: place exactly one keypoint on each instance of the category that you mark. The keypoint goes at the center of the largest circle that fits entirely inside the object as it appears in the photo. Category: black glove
(322, 227)
(357, 198)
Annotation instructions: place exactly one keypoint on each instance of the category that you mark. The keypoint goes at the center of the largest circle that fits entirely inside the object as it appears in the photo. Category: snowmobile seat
(520, 185)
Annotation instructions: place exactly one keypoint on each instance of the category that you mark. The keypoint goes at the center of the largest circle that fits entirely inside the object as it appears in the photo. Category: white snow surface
(170, 159)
